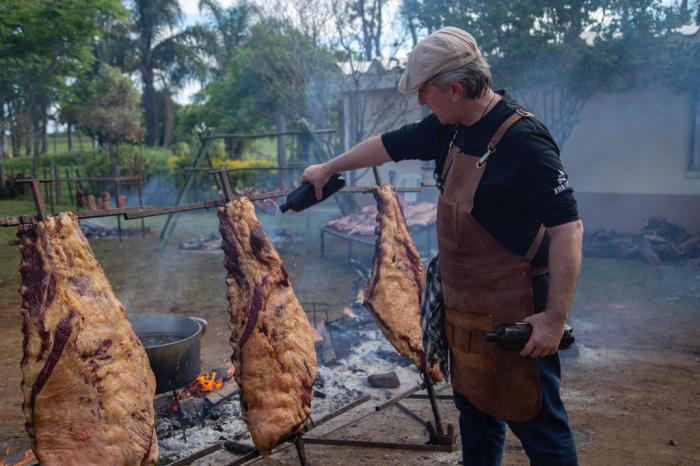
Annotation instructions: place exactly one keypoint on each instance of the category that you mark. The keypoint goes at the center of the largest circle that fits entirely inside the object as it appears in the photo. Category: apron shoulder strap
(505, 126)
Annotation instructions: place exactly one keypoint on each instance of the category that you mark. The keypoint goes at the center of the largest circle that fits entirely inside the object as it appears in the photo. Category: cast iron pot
(172, 345)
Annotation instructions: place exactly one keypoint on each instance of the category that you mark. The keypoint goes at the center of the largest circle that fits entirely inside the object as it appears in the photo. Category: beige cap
(443, 50)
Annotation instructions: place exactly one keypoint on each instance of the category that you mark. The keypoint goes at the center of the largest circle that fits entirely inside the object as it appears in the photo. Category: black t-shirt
(524, 183)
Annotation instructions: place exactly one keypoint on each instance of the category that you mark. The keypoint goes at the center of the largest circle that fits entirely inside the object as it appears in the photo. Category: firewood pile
(364, 222)
(658, 241)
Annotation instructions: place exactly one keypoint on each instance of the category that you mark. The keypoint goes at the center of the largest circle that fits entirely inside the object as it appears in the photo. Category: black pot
(172, 344)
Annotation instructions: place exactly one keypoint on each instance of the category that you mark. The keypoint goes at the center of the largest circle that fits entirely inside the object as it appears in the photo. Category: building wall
(626, 157)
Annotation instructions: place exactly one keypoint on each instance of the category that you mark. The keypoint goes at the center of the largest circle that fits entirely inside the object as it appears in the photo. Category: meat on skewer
(271, 338)
(88, 387)
(395, 288)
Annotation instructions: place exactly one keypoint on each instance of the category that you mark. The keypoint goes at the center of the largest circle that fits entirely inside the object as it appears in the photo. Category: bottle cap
(284, 207)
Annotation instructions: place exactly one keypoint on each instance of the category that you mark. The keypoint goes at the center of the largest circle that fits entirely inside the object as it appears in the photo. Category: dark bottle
(513, 337)
(304, 196)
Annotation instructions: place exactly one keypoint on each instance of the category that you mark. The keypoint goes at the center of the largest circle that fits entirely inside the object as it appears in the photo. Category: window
(693, 160)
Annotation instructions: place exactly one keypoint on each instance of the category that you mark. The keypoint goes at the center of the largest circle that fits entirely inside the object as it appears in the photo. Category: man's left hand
(546, 335)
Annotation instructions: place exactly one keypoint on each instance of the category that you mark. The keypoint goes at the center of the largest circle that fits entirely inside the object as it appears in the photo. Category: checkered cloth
(432, 319)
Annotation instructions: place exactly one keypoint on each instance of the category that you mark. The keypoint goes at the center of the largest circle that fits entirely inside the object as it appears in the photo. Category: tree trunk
(35, 133)
(3, 136)
(150, 107)
(168, 117)
(282, 150)
(69, 132)
(44, 134)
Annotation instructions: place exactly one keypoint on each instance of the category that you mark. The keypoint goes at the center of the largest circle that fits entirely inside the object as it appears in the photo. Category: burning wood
(210, 382)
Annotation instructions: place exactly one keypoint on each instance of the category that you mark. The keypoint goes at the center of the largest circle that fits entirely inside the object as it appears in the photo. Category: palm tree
(229, 27)
(161, 53)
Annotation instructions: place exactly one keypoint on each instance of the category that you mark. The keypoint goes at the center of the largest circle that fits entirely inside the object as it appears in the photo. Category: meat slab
(271, 339)
(395, 288)
(88, 387)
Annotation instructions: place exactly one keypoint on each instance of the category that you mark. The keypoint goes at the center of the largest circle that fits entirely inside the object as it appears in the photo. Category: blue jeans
(547, 439)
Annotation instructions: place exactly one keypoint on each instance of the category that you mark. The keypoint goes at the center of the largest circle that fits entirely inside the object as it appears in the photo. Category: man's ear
(456, 92)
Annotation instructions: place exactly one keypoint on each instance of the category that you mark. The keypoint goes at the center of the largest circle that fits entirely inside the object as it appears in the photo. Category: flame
(214, 380)
(28, 459)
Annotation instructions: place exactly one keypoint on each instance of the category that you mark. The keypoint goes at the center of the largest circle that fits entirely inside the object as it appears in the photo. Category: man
(509, 241)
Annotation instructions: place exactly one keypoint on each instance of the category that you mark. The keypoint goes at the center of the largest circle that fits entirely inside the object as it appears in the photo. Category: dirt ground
(632, 387)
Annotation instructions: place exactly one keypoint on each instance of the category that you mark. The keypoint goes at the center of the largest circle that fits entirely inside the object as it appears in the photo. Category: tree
(228, 28)
(110, 112)
(160, 53)
(43, 45)
(554, 56)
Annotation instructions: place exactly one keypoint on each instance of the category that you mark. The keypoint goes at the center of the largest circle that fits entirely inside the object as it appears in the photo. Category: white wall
(635, 142)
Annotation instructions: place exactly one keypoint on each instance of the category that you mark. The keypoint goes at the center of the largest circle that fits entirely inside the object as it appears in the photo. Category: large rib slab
(271, 339)
(88, 387)
(395, 288)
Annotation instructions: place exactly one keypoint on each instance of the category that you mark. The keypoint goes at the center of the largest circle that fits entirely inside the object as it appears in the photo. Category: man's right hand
(318, 176)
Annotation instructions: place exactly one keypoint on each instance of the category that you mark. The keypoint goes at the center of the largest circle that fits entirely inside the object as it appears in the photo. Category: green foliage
(556, 55)
(110, 111)
(275, 70)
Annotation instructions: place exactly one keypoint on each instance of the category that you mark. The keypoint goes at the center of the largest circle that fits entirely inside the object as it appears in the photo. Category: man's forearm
(368, 153)
(564, 267)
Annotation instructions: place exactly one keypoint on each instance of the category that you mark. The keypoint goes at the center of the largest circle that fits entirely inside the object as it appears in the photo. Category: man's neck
(475, 109)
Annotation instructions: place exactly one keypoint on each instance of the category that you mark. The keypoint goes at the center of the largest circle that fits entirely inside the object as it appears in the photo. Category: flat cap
(443, 50)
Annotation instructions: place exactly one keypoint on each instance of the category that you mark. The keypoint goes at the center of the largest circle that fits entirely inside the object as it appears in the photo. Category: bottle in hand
(304, 196)
(513, 337)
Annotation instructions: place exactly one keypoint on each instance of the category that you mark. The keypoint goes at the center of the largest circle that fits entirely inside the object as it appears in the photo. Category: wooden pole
(56, 173)
(71, 199)
(138, 188)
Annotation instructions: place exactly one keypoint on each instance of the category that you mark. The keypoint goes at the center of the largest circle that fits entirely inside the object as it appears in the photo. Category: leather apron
(484, 284)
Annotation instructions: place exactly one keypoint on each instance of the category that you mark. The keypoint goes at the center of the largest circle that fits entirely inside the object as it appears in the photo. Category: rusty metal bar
(368, 189)
(363, 399)
(88, 178)
(197, 455)
(27, 219)
(407, 410)
(374, 444)
(268, 134)
(420, 396)
(152, 211)
(400, 397)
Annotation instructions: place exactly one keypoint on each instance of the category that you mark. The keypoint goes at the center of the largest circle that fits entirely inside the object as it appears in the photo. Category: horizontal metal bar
(420, 396)
(199, 205)
(369, 189)
(89, 178)
(198, 454)
(338, 412)
(244, 168)
(374, 444)
(27, 219)
(268, 134)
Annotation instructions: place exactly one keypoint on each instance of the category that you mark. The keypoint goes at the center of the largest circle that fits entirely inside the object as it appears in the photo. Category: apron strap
(532, 250)
(510, 121)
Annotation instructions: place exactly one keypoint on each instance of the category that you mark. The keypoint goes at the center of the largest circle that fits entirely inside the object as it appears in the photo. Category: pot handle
(202, 323)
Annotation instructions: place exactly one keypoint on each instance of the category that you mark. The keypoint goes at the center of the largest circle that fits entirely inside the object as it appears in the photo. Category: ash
(362, 350)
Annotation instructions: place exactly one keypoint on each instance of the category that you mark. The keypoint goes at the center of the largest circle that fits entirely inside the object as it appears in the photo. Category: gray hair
(475, 77)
